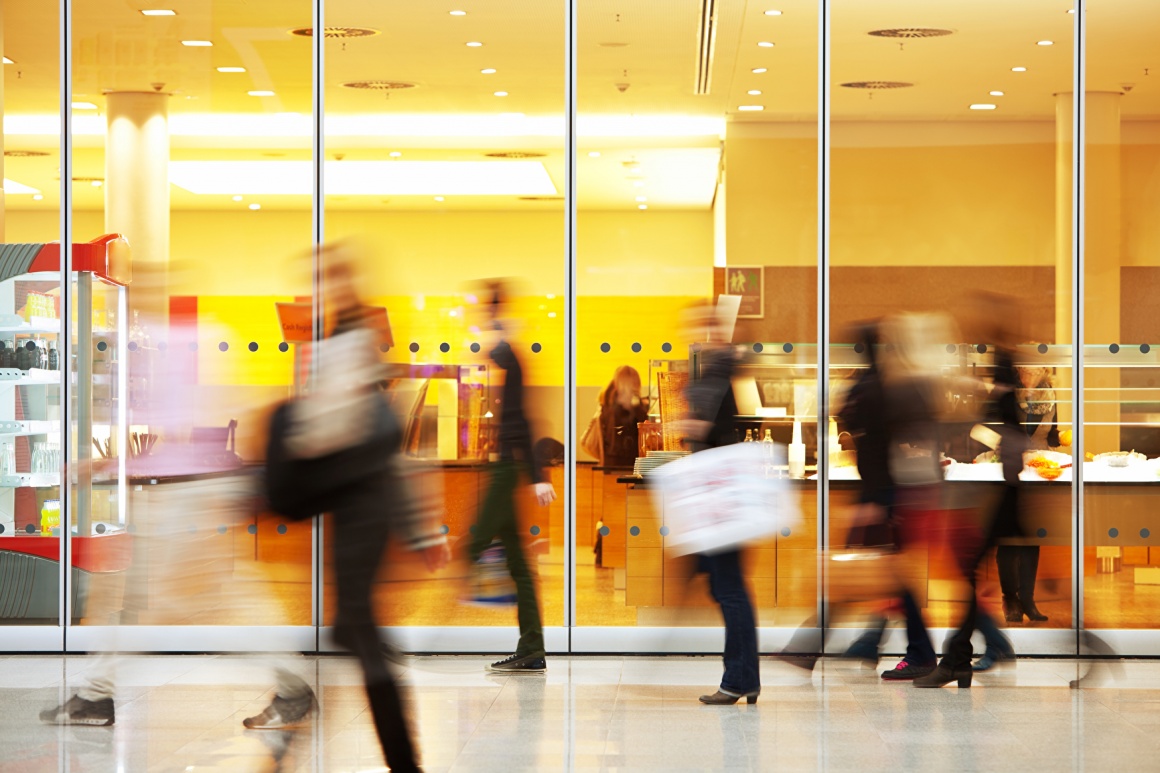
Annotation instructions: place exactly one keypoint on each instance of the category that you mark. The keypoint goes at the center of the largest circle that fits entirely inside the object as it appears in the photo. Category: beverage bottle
(767, 444)
(748, 436)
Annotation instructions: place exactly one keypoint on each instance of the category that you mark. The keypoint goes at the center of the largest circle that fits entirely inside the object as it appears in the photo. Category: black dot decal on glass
(162, 346)
(475, 348)
(223, 347)
(1145, 348)
(605, 348)
(1042, 348)
(536, 348)
(30, 346)
(666, 347)
(1113, 532)
(283, 347)
(102, 346)
(1041, 532)
(605, 531)
(30, 529)
(100, 528)
(951, 348)
(981, 348)
(636, 348)
(665, 531)
(414, 347)
(384, 348)
(757, 348)
(282, 528)
(1145, 533)
(787, 348)
(535, 530)
(859, 348)
(222, 530)
(785, 531)
(634, 531)
(132, 346)
(1114, 348)
(193, 346)
(1, 528)
(253, 347)
(444, 529)
(445, 347)
(252, 529)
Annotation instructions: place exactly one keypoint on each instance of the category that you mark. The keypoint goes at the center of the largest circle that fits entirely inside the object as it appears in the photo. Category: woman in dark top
(621, 409)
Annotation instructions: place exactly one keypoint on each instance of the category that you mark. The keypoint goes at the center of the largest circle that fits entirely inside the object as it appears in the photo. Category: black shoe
(1033, 613)
(78, 711)
(906, 670)
(722, 698)
(991, 659)
(282, 713)
(1012, 610)
(806, 662)
(944, 675)
(520, 664)
(863, 651)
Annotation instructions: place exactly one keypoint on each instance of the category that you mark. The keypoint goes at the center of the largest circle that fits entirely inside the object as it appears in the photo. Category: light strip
(365, 178)
(11, 187)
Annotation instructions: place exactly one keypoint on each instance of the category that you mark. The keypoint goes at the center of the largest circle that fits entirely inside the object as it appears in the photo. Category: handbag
(592, 441)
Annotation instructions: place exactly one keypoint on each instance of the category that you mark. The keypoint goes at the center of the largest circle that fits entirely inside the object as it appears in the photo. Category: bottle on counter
(796, 453)
(8, 460)
(748, 436)
(53, 356)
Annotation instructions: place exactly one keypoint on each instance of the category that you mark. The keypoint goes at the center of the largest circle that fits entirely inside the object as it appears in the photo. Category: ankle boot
(944, 675)
(1032, 611)
(1012, 610)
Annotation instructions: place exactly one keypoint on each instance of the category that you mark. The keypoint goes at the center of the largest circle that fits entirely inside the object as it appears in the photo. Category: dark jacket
(864, 416)
(711, 398)
(515, 434)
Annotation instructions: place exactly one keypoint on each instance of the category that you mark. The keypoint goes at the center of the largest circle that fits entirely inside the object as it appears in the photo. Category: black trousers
(361, 530)
(1018, 565)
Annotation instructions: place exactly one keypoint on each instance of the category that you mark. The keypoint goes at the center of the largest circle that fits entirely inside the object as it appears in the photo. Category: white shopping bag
(724, 498)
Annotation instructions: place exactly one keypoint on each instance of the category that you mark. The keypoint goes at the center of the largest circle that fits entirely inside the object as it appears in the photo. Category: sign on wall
(748, 282)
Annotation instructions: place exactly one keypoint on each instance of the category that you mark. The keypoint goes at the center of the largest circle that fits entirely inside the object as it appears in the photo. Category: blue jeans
(728, 589)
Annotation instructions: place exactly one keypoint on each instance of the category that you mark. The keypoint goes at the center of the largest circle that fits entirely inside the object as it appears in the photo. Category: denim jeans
(728, 588)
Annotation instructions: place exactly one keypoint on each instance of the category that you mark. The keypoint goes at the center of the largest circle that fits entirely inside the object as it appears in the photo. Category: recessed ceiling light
(996, 93)
(237, 198)
(1046, 43)
(95, 183)
(231, 69)
(197, 43)
(642, 198)
(594, 154)
(765, 44)
(1018, 69)
(83, 106)
(458, 13)
(439, 198)
(474, 44)
(754, 92)
(642, 206)
(1071, 10)
(758, 70)
(38, 197)
(488, 71)
(260, 93)
(255, 206)
(982, 107)
(158, 12)
(772, 12)
(395, 154)
(8, 61)
(750, 108)
(501, 93)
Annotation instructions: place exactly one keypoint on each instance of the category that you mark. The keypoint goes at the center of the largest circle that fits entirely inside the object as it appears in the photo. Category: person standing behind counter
(621, 409)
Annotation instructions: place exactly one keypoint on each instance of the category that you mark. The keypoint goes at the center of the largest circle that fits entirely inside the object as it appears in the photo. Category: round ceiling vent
(515, 154)
(877, 85)
(911, 33)
(336, 32)
(25, 153)
(379, 85)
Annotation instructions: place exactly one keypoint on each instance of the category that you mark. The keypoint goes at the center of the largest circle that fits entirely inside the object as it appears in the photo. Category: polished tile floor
(183, 713)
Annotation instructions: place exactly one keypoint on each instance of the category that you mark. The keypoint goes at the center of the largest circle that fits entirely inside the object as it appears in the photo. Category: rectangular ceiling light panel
(365, 178)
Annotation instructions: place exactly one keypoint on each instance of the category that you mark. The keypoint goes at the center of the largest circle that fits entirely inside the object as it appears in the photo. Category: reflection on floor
(184, 714)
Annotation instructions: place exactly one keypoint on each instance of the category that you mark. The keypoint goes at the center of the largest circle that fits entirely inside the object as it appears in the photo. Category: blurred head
(866, 334)
(916, 344)
(1032, 376)
(702, 322)
(994, 318)
(339, 277)
(624, 389)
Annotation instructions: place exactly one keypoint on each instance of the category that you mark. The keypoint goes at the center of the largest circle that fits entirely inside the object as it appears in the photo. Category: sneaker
(520, 664)
(905, 670)
(78, 711)
(282, 712)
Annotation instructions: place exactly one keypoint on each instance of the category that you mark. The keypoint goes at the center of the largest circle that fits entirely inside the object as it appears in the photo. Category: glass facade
(821, 164)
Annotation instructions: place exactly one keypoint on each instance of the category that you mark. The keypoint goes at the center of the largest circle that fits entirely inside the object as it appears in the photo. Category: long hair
(625, 383)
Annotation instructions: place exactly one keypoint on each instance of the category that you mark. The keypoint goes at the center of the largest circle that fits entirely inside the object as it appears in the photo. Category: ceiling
(636, 66)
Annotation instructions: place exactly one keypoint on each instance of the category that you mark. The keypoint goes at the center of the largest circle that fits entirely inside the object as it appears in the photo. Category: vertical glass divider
(66, 313)
(823, 304)
(318, 233)
(570, 119)
(1079, 81)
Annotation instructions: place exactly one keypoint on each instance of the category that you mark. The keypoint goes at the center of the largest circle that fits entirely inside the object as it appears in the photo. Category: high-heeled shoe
(725, 699)
(1032, 612)
(1012, 610)
(944, 675)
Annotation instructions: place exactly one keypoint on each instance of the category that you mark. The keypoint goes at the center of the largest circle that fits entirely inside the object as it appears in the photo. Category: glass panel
(192, 140)
(445, 170)
(697, 178)
(1121, 402)
(950, 226)
(30, 326)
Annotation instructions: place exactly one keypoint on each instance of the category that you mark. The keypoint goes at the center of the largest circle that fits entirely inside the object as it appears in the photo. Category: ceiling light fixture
(488, 71)
(197, 43)
(501, 93)
(439, 198)
(255, 206)
(758, 70)
(765, 44)
(1071, 10)
(237, 198)
(458, 13)
(754, 92)
(158, 12)
(83, 106)
(11, 186)
(772, 12)
(750, 108)
(982, 107)
(642, 206)
(95, 183)
(231, 69)
(260, 93)
(474, 44)
(594, 154)
(8, 61)
(996, 93)
(1018, 69)
(38, 197)
(395, 154)
(1046, 43)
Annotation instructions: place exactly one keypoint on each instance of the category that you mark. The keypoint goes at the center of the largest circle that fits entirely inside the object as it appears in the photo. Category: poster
(748, 282)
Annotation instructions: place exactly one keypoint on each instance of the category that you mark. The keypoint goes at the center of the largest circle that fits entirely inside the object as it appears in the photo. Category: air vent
(88, 179)
(541, 198)
(379, 85)
(910, 33)
(336, 32)
(706, 45)
(876, 85)
(515, 154)
(25, 153)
